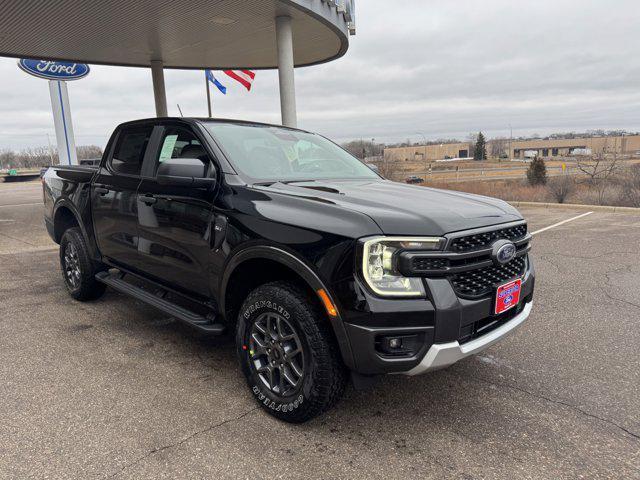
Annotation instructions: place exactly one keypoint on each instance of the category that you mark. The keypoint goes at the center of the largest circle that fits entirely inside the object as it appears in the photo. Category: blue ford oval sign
(54, 70)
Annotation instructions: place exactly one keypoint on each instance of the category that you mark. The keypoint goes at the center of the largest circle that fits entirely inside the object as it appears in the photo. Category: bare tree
(598, 170)
(36, 157)
(361, 148)
(88, 152)
(386, 166)
(631, 186)
(7, 158)
(33, 157)
(498, 147)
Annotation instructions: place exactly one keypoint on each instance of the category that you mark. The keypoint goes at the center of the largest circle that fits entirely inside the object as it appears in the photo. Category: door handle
(147, 199)
(102, 191)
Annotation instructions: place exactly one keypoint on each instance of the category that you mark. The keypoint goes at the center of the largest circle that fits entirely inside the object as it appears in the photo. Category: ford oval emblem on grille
(503, 251)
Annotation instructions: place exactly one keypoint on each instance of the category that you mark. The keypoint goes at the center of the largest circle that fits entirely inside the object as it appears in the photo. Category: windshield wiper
(287, 182)
(284, 182)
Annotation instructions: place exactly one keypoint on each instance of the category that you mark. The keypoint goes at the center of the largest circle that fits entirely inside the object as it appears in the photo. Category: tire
(312, 380)
(78, 270)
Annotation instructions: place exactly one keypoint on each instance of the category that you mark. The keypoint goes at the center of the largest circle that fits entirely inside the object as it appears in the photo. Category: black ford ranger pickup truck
(321, 268)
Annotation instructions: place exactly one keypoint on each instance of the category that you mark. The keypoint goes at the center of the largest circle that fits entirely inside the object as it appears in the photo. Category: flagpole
(206, 86)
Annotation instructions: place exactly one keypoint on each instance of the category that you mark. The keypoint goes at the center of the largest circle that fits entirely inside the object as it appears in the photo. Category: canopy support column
(284, 40)
(159, 93)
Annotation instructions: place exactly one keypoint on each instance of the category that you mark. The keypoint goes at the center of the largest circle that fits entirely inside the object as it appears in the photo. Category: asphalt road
(113, 389)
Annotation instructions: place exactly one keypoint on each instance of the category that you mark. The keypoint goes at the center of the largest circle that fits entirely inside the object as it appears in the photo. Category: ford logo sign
(503, 251)
(54, 70)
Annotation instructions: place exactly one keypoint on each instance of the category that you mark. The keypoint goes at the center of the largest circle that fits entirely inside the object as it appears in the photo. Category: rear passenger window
(129, 152)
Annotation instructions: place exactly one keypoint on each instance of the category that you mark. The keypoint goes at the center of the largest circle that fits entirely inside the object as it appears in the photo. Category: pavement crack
(563, 403)
(545, 258)
(18, 240)
(611, 297)
(607, 276)
(181, 441)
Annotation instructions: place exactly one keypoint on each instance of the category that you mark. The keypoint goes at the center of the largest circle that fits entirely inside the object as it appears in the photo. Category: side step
(201, 323)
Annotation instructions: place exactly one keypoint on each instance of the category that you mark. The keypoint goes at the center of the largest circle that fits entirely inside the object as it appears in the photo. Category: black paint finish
(192, 239)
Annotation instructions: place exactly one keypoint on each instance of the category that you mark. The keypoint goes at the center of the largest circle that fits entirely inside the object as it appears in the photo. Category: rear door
(113, 195)
(175, 222)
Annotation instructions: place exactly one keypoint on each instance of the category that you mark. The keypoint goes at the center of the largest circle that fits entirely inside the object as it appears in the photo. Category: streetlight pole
(425, 148)
(510, 140)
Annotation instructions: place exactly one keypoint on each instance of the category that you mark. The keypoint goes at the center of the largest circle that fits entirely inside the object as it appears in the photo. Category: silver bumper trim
(441, 355)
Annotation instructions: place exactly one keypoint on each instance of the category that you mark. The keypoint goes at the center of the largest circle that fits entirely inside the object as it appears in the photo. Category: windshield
(267, 153)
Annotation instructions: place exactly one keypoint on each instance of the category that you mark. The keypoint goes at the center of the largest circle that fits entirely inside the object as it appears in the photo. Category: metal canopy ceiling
(180, 33)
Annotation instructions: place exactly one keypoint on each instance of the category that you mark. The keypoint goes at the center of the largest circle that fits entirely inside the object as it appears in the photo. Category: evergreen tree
(537, 172)
(480, 150)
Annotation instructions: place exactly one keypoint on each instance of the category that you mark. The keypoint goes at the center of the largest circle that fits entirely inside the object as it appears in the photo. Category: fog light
(399, 345)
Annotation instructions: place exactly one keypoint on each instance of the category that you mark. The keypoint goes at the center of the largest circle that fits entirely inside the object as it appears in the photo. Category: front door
(175, 222)
(113, 196)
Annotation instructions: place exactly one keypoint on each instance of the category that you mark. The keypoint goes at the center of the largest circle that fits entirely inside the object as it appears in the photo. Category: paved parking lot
(113, 389)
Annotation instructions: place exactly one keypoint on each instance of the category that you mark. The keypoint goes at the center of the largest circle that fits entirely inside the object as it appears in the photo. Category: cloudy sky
(437, 68)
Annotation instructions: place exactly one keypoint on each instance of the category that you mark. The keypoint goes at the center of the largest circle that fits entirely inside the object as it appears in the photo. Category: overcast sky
(437, 68)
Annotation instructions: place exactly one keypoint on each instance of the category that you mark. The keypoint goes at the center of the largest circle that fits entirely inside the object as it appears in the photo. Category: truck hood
(401, 209)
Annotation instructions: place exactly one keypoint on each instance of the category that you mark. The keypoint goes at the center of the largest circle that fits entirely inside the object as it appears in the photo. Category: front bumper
(441, 355)
(445, 327)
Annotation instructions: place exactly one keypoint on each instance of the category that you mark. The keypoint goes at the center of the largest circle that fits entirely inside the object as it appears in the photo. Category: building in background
(567, 147)
(520, 149)
(429, 153)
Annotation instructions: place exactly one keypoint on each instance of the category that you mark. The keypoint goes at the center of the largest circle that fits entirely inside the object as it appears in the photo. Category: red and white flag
(245, 77)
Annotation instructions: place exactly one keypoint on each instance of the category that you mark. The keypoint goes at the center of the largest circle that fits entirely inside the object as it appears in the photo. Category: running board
(199, 322)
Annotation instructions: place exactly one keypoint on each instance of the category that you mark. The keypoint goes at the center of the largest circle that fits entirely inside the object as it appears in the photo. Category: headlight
(379, 269)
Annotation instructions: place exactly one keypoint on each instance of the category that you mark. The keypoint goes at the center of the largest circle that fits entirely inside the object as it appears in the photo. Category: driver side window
(180, 142)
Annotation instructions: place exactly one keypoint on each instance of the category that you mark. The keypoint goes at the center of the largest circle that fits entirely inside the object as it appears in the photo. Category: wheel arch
(267, 263)
(65, 217)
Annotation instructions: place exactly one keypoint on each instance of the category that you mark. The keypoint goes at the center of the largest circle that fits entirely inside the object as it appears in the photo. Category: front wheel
(288, 354)
(78, 270)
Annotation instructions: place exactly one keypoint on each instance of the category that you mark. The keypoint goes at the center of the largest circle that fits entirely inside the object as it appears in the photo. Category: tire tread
(90, 288)
(330, 376)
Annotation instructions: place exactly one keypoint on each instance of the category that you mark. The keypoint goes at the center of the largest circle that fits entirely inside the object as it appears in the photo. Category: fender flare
(66, 203)
(300, 267)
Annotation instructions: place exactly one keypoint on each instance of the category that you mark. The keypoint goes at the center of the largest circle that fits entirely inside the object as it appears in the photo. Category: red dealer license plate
(507, 296)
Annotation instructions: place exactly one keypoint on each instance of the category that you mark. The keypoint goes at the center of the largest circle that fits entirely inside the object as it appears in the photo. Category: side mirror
(184, 172)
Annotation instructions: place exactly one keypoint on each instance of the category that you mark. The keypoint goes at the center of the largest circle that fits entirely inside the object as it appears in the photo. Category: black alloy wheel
(78, 269)
(71, 266)
(276, 353)
(288, 352)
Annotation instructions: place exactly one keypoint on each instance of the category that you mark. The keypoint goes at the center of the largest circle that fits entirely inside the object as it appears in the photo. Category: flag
(215, 81)
(245, 77)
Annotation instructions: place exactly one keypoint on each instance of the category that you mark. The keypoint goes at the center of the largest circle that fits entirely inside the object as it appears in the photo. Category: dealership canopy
(187, 34)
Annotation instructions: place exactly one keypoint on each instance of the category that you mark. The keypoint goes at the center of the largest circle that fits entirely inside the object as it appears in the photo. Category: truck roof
(157, 120)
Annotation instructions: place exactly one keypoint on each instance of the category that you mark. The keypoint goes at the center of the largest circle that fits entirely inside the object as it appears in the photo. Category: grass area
(621, 190)
(417, 167)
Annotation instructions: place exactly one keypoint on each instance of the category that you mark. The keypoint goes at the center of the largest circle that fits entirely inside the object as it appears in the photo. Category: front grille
(467, 261)
(420, 264)
(482, 240)
(475, 283)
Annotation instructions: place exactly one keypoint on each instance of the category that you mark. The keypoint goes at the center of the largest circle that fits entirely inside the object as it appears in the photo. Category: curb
(575, 206)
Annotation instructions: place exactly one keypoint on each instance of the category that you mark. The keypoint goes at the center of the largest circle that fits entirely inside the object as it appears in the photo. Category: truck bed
(67, 186)
(73, 173)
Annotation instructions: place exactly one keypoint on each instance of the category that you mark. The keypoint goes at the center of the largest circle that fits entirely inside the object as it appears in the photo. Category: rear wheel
(78, 270)
(288, 354)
